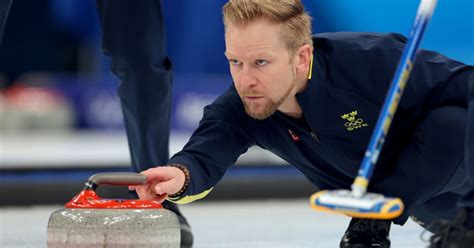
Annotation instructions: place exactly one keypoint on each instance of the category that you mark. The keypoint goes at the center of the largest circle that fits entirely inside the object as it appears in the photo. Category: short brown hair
(296, 23)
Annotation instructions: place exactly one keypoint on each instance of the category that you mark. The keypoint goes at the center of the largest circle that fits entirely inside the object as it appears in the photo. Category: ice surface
(272, 223)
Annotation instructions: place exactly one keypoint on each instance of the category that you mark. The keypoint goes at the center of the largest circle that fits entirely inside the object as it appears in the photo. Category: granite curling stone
(90, 221)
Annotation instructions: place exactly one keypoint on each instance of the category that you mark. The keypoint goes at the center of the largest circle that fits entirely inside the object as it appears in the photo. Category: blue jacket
(350, 79)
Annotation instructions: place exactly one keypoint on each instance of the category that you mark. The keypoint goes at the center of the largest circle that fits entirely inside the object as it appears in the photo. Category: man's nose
(247, 79)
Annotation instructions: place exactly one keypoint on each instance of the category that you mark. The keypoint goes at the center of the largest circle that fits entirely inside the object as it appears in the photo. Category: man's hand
(161, 182)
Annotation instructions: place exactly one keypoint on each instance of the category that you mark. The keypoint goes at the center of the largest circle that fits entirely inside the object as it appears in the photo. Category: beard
(261, 111)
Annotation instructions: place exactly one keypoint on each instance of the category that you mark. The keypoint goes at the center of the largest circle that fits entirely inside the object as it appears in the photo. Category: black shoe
(186, 234)
(454, 234)
(367, 233)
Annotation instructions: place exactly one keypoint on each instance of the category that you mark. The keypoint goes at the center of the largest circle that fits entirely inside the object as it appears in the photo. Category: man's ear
(303, 58)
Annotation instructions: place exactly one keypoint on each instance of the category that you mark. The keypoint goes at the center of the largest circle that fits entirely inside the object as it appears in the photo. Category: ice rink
(61, 119)
(270, 223)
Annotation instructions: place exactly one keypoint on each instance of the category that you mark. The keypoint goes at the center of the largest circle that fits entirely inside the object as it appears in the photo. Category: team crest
(353, 122)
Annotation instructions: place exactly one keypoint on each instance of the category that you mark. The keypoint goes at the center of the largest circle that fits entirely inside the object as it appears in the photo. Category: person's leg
(429, 213)
(4, 9)
(441, 131)
(467, 201)
(459, 232)
(134, 38)
(443, 206)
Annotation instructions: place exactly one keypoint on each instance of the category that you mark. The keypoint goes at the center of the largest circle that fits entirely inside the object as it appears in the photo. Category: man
(134, 38)
(314, 102)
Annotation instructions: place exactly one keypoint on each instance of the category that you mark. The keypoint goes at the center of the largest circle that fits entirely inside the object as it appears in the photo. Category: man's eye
(234, 62)
(261, 62)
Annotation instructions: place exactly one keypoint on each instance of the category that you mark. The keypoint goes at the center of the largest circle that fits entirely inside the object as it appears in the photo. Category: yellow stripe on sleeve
(189, 198)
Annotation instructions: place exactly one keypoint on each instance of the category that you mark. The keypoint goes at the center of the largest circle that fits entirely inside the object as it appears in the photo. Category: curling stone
(90, 221)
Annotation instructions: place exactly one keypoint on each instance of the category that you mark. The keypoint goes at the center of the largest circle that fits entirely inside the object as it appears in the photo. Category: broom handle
(423, 16)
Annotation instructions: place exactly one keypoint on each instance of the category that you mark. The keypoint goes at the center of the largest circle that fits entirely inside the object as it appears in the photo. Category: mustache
(251, 92)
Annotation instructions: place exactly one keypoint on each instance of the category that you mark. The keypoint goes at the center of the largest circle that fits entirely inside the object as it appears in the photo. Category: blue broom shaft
(397, 86)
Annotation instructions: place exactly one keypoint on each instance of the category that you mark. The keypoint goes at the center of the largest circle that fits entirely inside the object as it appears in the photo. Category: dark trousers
(459, 192)
(134, 38)
(429, 166)
(4, 8)
(445, 129)
(467, 201)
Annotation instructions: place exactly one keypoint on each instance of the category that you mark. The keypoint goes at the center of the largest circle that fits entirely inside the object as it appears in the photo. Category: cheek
(235, 79)
(236, 84)
(278, 82)
(236, 76)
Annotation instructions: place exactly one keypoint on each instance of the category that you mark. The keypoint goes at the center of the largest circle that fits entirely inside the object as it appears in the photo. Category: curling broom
(358, 202)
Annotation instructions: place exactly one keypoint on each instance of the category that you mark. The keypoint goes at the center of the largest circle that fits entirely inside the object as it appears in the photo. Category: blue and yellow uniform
(422, 159)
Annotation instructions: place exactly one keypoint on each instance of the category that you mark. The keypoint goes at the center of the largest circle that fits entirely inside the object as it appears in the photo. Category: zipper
(314, 136)
(333, 160)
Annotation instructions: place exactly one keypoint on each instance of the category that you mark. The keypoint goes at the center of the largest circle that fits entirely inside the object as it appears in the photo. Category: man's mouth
(252, 98)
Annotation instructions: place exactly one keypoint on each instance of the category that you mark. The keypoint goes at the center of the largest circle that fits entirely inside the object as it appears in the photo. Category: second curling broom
(358, 202)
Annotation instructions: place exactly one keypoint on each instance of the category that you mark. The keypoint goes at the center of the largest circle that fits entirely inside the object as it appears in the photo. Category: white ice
(239, 224)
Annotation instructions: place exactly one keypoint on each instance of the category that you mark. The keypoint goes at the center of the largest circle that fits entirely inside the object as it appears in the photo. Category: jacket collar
(308, 97)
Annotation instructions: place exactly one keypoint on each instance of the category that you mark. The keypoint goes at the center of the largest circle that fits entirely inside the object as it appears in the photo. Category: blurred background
(61, 121)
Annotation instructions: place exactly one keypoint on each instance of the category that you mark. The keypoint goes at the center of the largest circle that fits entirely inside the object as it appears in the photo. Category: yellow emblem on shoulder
(353, 122)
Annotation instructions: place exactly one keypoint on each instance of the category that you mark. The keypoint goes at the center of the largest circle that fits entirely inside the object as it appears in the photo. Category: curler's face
(260, 66)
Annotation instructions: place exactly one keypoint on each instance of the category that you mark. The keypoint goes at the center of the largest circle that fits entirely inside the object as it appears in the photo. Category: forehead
(259, 36)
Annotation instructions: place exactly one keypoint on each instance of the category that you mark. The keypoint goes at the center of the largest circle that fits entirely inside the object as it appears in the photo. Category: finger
(159, 189)
(145, 193)
(167, 187)
(158, 174)
(140, 192)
